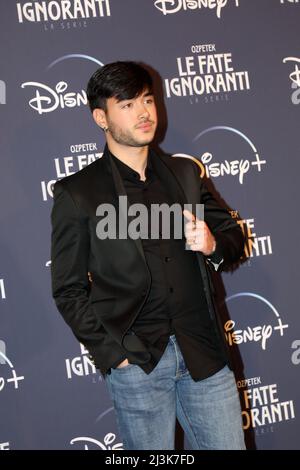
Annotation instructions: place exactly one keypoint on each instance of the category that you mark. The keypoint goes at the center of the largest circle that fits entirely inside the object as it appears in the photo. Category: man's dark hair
(121, 80)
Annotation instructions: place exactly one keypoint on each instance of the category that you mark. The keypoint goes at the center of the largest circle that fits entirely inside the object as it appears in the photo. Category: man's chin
(144, 142)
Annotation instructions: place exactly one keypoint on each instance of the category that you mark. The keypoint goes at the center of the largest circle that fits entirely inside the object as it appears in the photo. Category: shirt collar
(129, 173)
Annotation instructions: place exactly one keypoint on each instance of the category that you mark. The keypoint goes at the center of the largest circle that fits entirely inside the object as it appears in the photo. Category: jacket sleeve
(228, 234)
(69, 268)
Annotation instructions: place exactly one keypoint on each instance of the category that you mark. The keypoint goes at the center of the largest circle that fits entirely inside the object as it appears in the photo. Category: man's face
(132, 122)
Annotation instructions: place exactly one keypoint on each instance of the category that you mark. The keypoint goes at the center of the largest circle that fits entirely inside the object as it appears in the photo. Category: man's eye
(149, 100)
(127, 105)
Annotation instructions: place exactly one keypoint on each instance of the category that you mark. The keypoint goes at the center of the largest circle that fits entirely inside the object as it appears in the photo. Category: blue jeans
(147, 405)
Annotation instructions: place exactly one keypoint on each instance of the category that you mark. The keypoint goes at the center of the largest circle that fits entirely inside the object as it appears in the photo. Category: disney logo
(257, 333)
(108, 440)
(47, 100)
(295, 75)
(173, 6)
(234, 167)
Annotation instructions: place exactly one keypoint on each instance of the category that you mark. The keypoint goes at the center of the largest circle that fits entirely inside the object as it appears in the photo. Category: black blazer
(101, 313)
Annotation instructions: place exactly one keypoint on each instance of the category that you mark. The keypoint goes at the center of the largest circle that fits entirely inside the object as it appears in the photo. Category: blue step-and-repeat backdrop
(230, 81)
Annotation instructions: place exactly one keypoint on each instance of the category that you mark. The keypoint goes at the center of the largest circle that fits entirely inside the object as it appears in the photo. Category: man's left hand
(198, 235)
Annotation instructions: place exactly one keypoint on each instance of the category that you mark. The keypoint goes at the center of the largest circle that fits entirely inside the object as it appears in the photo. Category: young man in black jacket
(148, 317)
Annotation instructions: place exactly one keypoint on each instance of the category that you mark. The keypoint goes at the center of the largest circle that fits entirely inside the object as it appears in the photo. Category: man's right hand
(123, 364)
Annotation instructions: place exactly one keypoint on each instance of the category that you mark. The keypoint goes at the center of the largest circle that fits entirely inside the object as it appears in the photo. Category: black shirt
(176, 303)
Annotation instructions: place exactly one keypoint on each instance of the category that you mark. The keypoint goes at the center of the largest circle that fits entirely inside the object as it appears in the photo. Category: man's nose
(143, 112)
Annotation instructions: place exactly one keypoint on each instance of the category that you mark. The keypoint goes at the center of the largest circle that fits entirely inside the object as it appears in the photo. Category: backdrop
(230, 77)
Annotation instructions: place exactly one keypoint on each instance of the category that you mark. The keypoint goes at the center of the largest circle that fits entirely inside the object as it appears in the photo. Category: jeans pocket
(123, 368)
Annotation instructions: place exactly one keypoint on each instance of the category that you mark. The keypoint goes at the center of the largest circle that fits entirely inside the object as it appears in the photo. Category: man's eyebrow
(148, 93)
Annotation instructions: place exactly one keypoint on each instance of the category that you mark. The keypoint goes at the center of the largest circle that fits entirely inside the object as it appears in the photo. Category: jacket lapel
(120, 191)
(168, 177)
(177, 180)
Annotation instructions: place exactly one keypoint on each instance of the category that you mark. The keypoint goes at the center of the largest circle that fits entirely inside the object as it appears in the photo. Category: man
(147, 318)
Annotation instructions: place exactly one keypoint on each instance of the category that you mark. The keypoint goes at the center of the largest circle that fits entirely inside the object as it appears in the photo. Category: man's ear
(100, 117)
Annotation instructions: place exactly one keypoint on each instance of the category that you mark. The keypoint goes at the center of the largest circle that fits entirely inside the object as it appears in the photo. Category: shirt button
(167, 259)
(171, 289)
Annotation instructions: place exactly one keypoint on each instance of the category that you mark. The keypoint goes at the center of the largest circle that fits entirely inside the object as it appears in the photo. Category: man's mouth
(145, 126)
